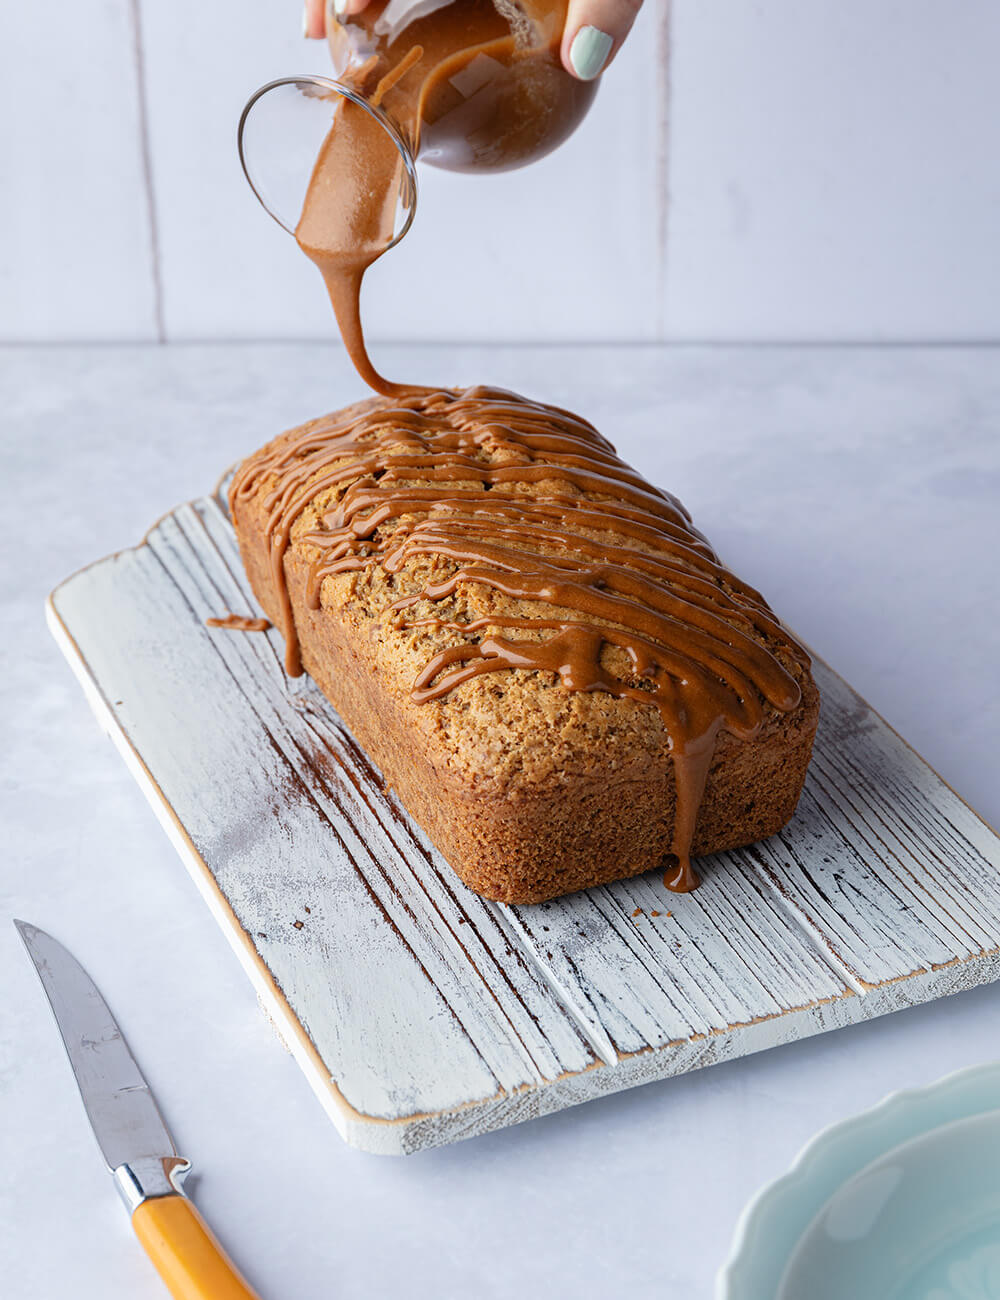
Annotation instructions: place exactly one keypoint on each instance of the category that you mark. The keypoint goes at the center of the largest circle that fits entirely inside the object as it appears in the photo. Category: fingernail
(305, 22)
(589, 52)
(340, 7)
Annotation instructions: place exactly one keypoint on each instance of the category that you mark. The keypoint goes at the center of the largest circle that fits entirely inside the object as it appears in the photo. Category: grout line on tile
(147, 169)
(663, 100)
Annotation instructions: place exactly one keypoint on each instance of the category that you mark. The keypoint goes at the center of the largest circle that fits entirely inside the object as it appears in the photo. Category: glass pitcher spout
(280, 136)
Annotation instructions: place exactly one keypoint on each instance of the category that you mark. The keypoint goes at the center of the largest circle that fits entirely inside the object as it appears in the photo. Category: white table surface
(860, 489)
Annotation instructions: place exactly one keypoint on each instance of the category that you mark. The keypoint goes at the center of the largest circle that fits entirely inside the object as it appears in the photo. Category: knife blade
(130, 1131)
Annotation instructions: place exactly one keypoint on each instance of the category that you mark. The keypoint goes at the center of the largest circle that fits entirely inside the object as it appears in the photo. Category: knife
(135, 1142)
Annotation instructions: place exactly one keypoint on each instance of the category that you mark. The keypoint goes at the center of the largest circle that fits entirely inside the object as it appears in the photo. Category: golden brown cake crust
(529, 789)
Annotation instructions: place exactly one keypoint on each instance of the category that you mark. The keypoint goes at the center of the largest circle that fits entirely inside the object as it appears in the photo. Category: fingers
(314, 14)
(314, 19)
(593, 34)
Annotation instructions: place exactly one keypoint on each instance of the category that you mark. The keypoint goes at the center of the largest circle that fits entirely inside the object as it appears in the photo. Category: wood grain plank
(423, 1013)
(273, 848)
(389, 874)
(885, 863)
(522, 998)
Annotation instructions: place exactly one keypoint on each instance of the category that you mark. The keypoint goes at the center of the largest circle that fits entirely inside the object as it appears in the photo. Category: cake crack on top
(504, 611)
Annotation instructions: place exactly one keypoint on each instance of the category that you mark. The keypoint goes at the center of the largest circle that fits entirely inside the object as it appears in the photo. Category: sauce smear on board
(239, 623)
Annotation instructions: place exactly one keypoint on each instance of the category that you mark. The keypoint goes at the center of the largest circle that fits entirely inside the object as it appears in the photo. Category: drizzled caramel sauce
(239, 623)
(531, 502)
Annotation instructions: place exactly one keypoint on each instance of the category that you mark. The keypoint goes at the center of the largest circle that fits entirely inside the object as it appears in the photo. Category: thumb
(593, 34)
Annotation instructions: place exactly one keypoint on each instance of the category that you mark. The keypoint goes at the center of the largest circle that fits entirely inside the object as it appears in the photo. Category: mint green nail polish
(589, 52)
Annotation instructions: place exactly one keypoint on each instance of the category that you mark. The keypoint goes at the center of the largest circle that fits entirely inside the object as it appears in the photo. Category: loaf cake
(540, 651)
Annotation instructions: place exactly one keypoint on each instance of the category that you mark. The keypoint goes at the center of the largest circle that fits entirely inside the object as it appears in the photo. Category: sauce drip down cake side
(539, 650)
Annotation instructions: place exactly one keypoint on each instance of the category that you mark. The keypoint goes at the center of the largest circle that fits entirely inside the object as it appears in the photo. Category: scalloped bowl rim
(789, 1204)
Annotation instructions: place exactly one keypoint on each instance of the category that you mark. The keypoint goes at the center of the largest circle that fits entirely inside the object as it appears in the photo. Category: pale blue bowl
(901, 1202)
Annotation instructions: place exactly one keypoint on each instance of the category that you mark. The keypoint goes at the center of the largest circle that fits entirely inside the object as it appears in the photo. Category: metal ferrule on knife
(145, 1177)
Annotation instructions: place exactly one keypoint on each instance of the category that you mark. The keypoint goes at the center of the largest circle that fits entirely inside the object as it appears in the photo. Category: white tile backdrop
(798, 169)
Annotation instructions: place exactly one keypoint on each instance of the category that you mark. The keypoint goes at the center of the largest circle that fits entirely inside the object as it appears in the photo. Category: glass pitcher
(466, 85)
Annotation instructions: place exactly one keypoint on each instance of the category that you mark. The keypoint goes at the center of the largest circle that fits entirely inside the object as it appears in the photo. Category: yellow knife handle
(186, 1254)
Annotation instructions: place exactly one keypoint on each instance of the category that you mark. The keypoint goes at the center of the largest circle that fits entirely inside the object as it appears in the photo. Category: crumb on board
(654, 913)
(637, 912)
(298, 924)
(309, 911)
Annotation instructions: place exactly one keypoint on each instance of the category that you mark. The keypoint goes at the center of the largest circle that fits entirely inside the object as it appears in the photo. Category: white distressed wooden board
(422, 1013)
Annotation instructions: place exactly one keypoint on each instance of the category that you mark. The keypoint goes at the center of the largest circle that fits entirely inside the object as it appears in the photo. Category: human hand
(592, 36)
